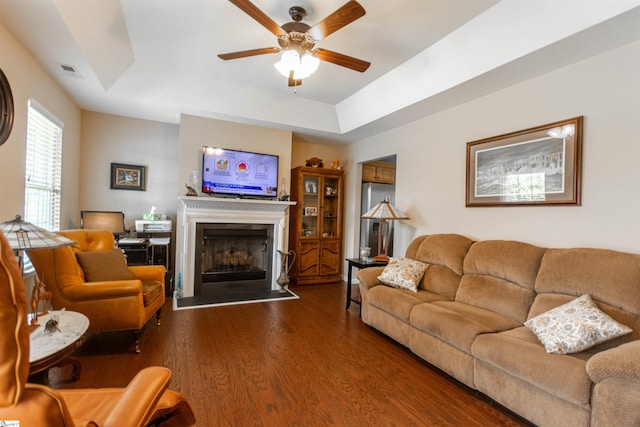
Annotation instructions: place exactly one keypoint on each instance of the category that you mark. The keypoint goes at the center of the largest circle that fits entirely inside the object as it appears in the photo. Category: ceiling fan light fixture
(289, 61)
(301, 67)
(309, 63)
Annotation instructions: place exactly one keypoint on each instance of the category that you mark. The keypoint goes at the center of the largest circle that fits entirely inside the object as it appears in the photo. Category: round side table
(49, 349)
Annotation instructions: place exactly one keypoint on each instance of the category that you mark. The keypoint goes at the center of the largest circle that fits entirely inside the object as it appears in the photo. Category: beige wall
(110, 139)
(29, 80)
(197, 132)
(301, 151)
(431, 154)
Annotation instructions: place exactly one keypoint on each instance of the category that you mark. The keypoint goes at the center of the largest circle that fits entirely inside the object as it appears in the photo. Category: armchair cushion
(151, 291)
(99, 266)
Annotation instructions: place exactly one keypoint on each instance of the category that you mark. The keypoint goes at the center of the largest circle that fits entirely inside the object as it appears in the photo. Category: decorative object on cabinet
(378, 171)
(336, 165)
(128, 177)
(315, 225)
(536, 166)
(385, 212)
(314, 162)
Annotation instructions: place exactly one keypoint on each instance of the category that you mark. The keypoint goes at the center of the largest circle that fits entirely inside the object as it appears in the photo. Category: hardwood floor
(305, 362)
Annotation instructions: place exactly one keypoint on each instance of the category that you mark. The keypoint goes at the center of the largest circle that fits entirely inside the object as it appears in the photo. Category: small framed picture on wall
(128, 177)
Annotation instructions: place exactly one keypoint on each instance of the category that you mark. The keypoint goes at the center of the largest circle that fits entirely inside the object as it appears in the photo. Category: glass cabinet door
(330, 207)
(311, 206)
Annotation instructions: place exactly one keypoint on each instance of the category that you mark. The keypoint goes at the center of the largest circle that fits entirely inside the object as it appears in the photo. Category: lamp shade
(384, 210)
(23, 235)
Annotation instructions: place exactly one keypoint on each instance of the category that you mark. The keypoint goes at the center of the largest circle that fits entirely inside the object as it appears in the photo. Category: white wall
(110, 139)
(431, 155)
(29, 80)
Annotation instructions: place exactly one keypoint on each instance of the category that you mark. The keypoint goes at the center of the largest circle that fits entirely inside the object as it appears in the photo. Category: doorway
(378, 183)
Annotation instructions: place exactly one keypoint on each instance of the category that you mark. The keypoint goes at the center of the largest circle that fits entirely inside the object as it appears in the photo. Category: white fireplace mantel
(194, 210)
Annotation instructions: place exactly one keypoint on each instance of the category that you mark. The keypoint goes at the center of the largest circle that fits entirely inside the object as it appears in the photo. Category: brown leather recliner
(144, 401)
(113, 305)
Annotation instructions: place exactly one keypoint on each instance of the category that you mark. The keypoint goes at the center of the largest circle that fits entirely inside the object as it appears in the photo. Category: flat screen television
(239, 173)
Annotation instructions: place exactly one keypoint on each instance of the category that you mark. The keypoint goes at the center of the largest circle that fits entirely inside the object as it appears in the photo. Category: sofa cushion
(575, 326)
(399, 302)
(403, 273)
(445, 255)
(456, 323)
(610, 277)
(499, 275)
(101, 266)
(519, 354)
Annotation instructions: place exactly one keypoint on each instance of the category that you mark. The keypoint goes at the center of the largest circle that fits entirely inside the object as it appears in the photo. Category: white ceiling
(156, 59)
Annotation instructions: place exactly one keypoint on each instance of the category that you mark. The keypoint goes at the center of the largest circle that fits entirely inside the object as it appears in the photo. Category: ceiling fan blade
(345, 15)
(252, 10)
(342, 60)
(292, 81)
(245, 53)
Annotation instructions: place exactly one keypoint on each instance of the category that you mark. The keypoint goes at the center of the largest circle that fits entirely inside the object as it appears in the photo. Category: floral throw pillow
(575, 326)
(403, 273)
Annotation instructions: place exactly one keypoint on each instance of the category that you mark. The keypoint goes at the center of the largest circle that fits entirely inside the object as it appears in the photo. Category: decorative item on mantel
(193, 181)
(314, 162)
(285, 265)
(284, 197)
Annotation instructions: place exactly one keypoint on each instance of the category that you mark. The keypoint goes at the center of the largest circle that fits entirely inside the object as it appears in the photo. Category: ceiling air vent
(70, 70)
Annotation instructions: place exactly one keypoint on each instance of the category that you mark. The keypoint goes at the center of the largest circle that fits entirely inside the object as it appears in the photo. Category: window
(43, 168)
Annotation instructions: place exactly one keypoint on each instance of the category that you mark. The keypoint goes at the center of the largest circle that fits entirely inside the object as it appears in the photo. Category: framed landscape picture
(537, 166)
(128, 177)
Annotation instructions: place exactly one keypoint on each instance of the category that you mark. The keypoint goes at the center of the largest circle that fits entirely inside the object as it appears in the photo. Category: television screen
(239, 173)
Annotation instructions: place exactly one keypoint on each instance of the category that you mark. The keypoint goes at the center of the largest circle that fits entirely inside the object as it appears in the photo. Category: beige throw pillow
(403, 273)
(99, 266)
(575, 326)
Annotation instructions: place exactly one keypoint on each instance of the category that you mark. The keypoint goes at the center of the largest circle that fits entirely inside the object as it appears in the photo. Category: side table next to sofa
(359, 263)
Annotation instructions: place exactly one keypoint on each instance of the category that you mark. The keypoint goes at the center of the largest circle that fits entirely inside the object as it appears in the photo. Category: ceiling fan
(297, 39)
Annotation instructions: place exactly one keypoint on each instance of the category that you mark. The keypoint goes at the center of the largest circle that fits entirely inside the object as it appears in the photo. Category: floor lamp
(385, 212)
(23, 236)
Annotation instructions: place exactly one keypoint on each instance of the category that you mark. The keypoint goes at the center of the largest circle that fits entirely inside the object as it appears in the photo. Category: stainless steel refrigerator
(372, 194)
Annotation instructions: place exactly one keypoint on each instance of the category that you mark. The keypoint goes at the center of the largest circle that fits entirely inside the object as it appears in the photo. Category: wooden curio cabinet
(315, 225)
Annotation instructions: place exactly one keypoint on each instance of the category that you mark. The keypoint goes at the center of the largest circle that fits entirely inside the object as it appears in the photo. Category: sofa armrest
(619, 362)
(369, 276)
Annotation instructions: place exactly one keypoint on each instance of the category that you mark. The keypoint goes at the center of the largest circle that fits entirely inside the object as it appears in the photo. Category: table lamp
(385, 212)
(23, 236)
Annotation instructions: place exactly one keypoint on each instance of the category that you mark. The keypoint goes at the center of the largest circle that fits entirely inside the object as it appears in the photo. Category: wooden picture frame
(536, 166)
(128, 177)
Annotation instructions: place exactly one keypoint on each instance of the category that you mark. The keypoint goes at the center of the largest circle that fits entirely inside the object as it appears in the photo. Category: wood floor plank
(306, 362)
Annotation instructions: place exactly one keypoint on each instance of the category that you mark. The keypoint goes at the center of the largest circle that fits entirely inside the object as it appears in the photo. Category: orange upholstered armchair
(92, 278)
(145, 401)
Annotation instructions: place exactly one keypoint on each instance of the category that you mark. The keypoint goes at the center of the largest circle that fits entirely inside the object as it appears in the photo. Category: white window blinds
(43, 168)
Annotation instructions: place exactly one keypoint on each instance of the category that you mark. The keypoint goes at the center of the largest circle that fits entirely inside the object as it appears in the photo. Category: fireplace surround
(219, 215)
(232, 257)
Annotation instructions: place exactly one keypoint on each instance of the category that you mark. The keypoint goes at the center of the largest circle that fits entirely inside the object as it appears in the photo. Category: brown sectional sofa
(467, 319)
